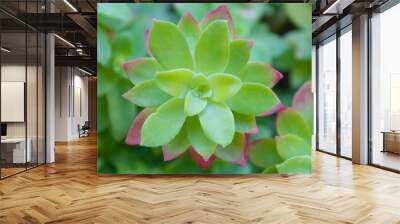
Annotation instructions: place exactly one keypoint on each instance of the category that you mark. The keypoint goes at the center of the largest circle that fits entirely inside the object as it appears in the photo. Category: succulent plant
(290, 152)
(199, 91)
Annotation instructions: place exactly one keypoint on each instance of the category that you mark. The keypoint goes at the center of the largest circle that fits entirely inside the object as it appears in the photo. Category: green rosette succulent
(199, 91)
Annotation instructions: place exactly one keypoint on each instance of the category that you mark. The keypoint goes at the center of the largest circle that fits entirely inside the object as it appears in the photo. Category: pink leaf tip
(200, 161)
(222, 12)
(146, 37)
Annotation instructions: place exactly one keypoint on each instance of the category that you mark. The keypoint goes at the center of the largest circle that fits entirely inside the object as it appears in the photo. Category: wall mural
(204, 88)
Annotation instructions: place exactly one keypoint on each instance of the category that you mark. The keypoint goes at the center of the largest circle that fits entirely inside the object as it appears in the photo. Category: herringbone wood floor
(70, 191)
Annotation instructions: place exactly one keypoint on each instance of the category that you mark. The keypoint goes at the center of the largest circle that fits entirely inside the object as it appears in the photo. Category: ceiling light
(84, 71)
(64, 40)
(70, 5)
(5, 50)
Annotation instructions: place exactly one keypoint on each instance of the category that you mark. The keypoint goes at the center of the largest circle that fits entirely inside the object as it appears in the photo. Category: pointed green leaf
(146, 94)
(232, 152)
(239, 54)
(200, 142)
(141, 69)
(289, 146)
(179, 144)
(296, 165)
(169, 46)
(303, 102)
(291, 122)
(220, 13)
(162, 126)
(264, 153)
(212, 50)
(174, 82)
(190, 28)
(194, 104)
(218, 123)
(258, 73)
(253, 99)
(223, 86)
(244, 123)
(270, 170)
(200, 86)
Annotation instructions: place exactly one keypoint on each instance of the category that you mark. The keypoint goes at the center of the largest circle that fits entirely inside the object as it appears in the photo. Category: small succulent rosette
(199, 91)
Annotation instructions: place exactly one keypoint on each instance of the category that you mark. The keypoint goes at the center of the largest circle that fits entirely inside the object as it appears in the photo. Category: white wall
(71, 94)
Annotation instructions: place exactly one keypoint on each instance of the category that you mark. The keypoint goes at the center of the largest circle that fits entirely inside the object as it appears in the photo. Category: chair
(84, 130)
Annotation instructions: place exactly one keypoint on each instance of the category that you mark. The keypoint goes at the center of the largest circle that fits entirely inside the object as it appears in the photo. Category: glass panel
(13, 89)
(346, 94)
(327, 96)
(385, 87)
(41, 99)
(31, 98)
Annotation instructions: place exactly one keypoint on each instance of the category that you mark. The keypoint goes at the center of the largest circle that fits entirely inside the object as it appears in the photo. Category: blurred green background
(282, 35)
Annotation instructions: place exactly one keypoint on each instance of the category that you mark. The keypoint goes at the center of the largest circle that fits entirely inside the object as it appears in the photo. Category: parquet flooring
(70, 191)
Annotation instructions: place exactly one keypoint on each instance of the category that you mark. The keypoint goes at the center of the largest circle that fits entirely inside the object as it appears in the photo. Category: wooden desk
(13, 150)
(391, 141)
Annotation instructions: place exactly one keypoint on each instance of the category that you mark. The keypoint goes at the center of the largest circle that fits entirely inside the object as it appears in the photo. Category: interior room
(50, 128)
(385, 87)
(22, 99)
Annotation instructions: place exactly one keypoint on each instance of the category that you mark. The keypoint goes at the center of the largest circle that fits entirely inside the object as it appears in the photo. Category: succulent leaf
(220, 13)
(200, 142)
(174, 82)
(258, 73)
(244, 123)
(177, 146)
(278, 76)
(290, 145)
(194, 104)
(270, 170)
(200, 86)
(141, 69)
(134, 133)
(303, 102)
(295, 165)
(169, 46)
(146, 94)
(203, 163)
(290, 121)
(239, 54)
(223, 86)
(212, 50)
(190, 28)
(162, 126)
(146, 38)
(263, 153)
(277, 108)
(253, 99)
(234, 152)
(218, 123)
